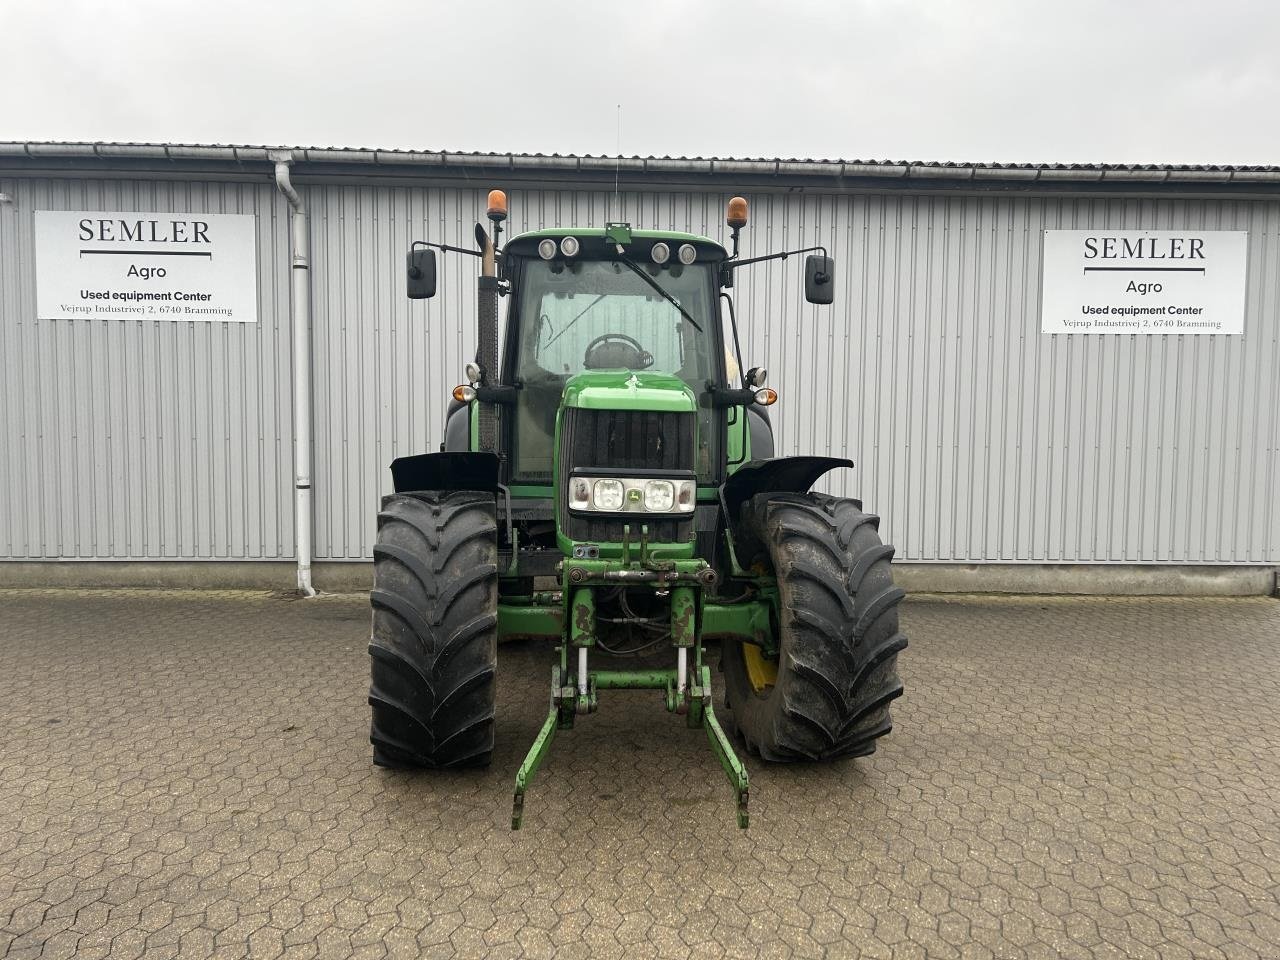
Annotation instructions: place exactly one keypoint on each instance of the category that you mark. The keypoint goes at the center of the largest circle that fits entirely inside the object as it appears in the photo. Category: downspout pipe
(300, 309)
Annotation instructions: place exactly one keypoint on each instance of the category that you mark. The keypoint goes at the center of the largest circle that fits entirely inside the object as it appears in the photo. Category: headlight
(546, 248)
(686, 495)
(660, 252)
(633, 495)
(608, 495)
(580, 493)
(687, 253)
(569, 246)
(659, 495)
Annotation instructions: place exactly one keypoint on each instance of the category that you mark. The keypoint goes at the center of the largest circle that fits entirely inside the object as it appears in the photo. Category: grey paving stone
(188, 774)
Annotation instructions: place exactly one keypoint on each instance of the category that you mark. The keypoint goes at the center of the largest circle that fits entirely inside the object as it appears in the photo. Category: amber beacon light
(736, 217)
(497, 205)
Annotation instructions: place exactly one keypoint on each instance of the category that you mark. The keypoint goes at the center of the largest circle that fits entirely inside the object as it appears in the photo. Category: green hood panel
(628, 390)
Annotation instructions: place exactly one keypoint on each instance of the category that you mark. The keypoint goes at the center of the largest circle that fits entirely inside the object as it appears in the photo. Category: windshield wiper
(658, 287)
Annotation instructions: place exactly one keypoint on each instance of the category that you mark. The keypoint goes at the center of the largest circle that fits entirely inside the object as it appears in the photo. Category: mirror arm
(734, 264)
(497, 393)
(446, 247)
(722, 397)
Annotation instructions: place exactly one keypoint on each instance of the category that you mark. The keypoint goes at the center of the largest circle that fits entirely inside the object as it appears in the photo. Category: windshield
(595, 315)
(599, 315)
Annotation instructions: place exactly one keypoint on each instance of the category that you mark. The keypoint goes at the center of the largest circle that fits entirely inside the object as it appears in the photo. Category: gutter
(300, 310)
(389, 160)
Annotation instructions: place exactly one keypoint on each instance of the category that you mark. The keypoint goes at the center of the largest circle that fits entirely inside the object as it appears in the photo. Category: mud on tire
(434, 645)
(838, 631)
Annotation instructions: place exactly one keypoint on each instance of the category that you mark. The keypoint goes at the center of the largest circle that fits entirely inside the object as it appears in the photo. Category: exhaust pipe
(487, 334)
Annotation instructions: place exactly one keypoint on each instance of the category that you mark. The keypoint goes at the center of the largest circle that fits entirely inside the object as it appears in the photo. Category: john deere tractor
(610, 486)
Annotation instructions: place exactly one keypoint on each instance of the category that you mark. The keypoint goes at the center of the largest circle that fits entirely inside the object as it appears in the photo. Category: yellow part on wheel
(761, 672)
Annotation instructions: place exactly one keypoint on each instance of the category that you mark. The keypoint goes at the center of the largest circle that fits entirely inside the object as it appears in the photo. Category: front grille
(618, 441)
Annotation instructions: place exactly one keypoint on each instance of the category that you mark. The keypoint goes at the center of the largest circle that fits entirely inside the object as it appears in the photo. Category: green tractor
(610, 488)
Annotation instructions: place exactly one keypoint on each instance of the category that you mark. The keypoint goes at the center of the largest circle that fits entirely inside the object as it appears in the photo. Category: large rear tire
(836, 672)
(434, 648)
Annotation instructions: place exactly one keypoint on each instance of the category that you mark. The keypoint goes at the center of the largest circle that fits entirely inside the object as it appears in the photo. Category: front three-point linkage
(686, 686)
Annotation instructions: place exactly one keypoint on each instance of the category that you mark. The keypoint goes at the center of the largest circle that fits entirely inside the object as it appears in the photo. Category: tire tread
(840, 642)
(433, 650)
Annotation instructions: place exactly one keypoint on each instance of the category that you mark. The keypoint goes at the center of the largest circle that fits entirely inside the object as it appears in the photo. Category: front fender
(781, 475)
(446, 471)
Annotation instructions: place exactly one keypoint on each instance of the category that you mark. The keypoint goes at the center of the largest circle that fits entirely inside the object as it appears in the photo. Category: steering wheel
(640, 359)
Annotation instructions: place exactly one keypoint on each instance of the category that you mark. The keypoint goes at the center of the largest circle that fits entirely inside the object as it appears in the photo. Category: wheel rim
(761, 673)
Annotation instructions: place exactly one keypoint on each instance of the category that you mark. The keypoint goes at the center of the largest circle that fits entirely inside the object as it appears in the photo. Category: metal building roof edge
(719, 167)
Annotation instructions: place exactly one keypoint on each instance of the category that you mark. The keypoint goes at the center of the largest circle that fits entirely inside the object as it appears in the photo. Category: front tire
(837, 628)
(434, 647)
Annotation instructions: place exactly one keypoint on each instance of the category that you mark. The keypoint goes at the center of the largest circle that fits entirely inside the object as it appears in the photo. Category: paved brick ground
(189, 775)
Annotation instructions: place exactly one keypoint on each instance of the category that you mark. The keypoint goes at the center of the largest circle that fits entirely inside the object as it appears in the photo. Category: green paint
(619, 233)
(628, 390)
(537, 753)
(633, 679)
(619, 390)
(582, 618)
(684, 616)
(720, 746)
(612, 552)
(748, 621)
(515, 620)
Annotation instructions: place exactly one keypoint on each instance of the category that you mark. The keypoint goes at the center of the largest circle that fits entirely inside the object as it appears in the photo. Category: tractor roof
(530, 239)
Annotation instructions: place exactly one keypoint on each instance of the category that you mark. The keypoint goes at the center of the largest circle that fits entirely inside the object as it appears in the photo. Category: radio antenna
(617, 170)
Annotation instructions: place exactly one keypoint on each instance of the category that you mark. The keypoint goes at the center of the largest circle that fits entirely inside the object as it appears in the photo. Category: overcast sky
(1120, 81)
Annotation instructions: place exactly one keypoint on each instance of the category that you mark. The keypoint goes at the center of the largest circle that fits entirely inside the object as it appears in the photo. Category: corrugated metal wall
(976, 437)
(133, 439)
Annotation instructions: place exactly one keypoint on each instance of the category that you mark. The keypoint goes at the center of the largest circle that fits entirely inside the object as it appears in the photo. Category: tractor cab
(603, 309)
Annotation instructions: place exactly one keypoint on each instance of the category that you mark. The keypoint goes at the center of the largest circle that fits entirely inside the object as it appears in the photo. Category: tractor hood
(629, 390)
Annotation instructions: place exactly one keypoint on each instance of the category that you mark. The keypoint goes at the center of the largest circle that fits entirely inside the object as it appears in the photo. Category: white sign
(146, 266)
(1143, 281)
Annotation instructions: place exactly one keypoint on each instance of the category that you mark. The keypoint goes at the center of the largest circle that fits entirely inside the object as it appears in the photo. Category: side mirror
(819, 279)
(421, 273)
